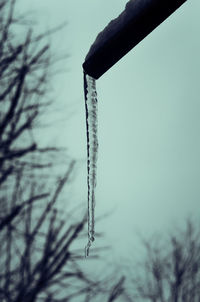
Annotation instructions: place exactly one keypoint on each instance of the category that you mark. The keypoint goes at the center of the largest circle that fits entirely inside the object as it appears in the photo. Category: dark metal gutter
(145, 16)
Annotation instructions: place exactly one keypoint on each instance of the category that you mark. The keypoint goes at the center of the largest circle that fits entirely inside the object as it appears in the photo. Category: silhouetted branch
(17, 209)
(170, 271)
(117, 290)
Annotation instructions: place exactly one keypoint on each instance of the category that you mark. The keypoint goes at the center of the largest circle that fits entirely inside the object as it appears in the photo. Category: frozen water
(92, 148)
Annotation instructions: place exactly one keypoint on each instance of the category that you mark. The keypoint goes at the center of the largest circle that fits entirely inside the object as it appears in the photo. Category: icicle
(92, 148)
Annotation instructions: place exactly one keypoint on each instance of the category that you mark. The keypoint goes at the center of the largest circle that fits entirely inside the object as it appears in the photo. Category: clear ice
(92, 148)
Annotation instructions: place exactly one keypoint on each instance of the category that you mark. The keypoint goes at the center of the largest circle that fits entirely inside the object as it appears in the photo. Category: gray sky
(148, 162)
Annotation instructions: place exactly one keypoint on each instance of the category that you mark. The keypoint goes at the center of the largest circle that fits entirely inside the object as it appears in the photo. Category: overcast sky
(149, 107)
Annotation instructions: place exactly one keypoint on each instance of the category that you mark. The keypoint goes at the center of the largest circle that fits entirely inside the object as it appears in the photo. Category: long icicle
(92, 148)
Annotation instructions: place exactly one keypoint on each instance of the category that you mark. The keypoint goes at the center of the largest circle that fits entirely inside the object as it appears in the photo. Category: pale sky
(149, 107)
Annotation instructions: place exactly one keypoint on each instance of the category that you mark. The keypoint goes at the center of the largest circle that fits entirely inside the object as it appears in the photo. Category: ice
(92, 148)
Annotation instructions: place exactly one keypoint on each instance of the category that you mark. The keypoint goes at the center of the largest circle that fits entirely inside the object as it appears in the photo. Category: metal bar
(139, 19)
